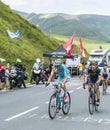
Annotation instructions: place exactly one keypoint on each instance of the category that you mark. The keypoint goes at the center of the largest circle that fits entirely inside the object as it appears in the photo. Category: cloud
(60, 6)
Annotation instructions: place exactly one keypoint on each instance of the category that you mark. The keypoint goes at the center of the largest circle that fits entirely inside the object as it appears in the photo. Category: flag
(14, 35)
(82, 48)
(69, 45)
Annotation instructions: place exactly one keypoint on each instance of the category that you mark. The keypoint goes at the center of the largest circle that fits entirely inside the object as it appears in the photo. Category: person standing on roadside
(2, 75)
(80, 67)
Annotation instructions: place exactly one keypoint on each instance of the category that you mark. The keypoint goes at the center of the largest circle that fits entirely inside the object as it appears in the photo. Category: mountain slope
(89, 26)
(32, 44)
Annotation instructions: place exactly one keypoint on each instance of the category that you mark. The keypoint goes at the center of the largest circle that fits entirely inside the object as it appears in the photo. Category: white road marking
(86, 119)
(45, 116)
(77, 119)
(21, 114)
(65, 118)
(47, 102)
(100, 120)
(32, 115)
(79, 87)
(71, 91)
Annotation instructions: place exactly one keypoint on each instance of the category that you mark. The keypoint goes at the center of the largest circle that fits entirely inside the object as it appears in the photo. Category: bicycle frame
(92, 99)
(57, 101)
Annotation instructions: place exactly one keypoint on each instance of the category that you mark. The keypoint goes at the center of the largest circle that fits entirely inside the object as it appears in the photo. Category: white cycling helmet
(57, 62)
(38, 60)
(105, 67)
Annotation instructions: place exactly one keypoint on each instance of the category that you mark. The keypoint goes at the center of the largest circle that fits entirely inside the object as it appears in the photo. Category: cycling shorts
(92, 80)
(61, 79)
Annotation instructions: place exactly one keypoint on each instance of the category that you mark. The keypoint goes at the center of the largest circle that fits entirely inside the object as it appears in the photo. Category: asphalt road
(27, 109)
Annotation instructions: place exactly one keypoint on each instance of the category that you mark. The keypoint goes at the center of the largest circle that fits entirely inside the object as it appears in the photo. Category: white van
(72, 64)
(102, 56)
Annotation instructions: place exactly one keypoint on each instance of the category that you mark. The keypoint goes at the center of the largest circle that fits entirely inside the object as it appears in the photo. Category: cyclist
(37, 66)
(105, 75)
(94, 76)
(63, 76)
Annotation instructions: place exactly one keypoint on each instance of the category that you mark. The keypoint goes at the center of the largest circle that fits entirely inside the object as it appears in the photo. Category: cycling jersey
(62, 72)
(93, 75)
(105, 74)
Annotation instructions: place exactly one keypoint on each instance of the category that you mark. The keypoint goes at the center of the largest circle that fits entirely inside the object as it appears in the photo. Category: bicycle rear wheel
(66, 105)
(91, 103)
(52, 106)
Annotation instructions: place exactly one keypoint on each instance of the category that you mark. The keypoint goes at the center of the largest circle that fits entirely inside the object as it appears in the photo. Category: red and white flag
(69, 45)
(82, 48)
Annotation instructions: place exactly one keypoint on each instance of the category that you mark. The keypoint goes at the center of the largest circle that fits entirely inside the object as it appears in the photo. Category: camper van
(102, 56)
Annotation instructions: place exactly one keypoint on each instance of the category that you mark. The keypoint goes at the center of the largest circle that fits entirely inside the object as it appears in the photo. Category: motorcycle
(38, 74)
(16, 78)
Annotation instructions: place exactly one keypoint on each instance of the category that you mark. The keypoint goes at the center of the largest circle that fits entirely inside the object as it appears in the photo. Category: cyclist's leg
(64, 85)
(64, 89)
(98, 91)
(97, 94)
(58, 94)
(89, 84)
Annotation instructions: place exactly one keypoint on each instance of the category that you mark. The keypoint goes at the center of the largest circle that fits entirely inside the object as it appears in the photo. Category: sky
(101, 7)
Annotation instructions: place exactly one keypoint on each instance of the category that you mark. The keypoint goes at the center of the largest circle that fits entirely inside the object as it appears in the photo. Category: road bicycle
(57, 102)
(92, 99)
(104, 87)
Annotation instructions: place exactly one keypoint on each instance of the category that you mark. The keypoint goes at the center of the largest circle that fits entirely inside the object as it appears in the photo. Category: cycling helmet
(104, 67)
(38, 60)
(18, 60)
(93, 62)
(58, 62)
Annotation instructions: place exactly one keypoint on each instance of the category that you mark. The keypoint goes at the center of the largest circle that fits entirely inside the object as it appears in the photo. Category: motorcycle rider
(36, 65)
(20, 68)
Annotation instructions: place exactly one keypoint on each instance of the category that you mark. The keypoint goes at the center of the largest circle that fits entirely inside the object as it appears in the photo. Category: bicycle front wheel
(66, 105)
(91, 103)
(52, 106)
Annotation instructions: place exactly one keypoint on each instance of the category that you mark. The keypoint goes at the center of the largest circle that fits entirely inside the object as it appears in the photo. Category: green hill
(95, 27)
(32, 44)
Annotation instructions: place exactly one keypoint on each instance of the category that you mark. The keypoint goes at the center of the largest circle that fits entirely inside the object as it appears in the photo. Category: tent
(60, 52)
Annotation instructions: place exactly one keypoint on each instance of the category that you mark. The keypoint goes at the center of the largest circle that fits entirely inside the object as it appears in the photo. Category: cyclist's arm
(99, 76)
(66, 75)
(51, 76)
(65, 79)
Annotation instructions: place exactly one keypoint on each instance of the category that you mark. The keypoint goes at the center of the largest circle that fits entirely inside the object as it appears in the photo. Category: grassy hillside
(88, 44)
(32, 44)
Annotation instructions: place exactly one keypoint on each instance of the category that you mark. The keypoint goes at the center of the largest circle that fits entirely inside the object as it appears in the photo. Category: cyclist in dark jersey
(105, 75)
(94, 76)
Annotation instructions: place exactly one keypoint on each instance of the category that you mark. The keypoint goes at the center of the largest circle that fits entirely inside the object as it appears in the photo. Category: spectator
(7, 73)
(80, 67)
(2, 75)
